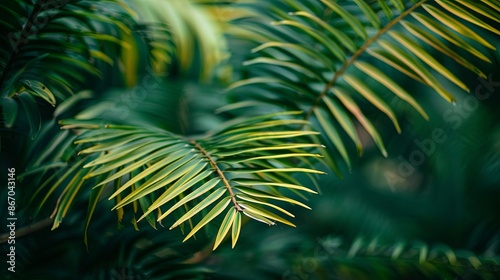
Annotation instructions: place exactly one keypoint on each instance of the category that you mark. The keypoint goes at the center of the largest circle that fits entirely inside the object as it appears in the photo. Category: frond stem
(220, 173)
(358, 53)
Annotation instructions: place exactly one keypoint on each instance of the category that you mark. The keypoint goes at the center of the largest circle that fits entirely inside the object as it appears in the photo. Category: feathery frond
(316, 52)
(243, 168)
(50, 37)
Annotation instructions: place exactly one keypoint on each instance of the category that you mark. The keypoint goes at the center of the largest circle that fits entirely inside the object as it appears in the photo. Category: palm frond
(315, 52)
(50, 37)
(242, 168)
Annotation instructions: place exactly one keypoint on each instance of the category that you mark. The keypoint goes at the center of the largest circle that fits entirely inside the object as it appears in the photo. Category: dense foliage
(216, 119)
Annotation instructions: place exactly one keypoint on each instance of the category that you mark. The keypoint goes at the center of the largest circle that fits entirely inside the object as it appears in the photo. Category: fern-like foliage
(309, 61)
(234, 170)
(50, 37)
(313, 55)
(151, 171)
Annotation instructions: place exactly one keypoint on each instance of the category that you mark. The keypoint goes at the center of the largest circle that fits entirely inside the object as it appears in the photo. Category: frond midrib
(357, 54)
(220, 173)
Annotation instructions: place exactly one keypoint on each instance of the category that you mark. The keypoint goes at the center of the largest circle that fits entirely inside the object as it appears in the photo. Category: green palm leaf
(50, 37)
(243, 164)
(337, 38)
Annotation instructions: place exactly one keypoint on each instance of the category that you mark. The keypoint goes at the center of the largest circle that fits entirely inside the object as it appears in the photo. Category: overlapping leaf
(51, 37)
(243, 168)
(313, 54)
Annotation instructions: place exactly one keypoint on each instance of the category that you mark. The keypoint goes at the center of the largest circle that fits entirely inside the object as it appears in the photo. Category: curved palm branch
(235, 170)
(312, 57)
(50, 37)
